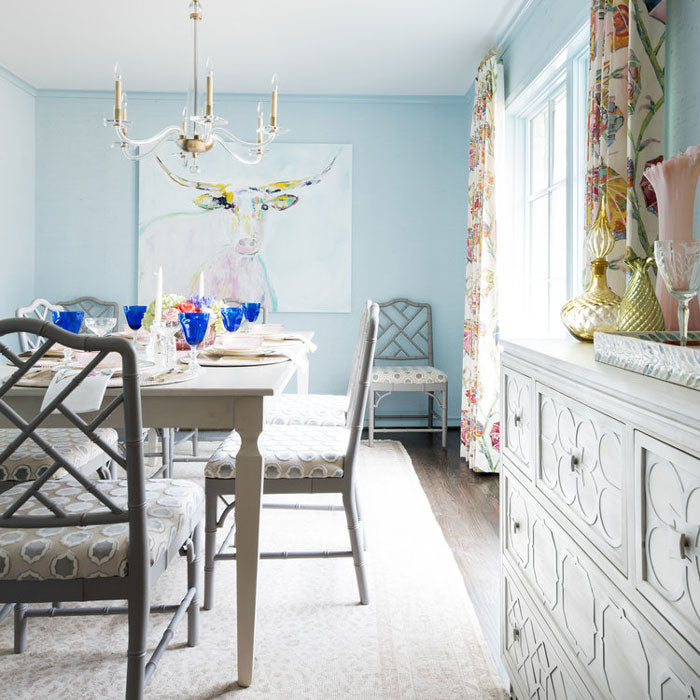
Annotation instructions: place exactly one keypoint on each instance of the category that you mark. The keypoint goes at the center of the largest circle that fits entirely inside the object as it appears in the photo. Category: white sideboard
(600, 529)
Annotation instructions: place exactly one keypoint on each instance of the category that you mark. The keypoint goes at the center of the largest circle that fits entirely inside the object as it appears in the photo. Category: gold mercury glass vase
(597, 308)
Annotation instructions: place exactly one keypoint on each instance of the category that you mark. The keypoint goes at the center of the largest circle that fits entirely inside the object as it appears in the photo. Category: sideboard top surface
(575, 361)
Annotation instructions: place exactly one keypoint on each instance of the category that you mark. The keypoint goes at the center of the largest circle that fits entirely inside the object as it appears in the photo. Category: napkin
(86, 397)
(280, 337)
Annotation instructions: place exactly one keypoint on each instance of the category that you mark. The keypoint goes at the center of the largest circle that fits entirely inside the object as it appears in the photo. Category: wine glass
(232, 316)
(170, 327)
(251, 311)
(194, 328)
(70, 321)
(134, 318)
(679, 265)
(100, 325)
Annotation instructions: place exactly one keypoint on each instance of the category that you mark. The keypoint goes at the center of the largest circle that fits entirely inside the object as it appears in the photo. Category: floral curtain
(480, 422)
(625, 122)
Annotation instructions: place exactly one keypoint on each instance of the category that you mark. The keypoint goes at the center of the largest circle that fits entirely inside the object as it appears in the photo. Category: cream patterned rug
(418, 638)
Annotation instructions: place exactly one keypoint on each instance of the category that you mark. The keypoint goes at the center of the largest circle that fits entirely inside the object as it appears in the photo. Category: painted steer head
(247, 205)
(239, 270)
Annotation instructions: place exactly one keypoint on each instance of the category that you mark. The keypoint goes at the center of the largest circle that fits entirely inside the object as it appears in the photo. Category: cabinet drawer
(535, 664)
(667, 542)
(517, 419)
(613, 647)
(580, 467)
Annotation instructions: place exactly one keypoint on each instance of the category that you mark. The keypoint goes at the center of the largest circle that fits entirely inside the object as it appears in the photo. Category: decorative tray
(653, 353)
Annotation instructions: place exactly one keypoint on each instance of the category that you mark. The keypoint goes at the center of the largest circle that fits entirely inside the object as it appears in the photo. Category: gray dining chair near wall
(405, 341)
(41, 309)
(103, 540)
(297, 459)
(92, 306)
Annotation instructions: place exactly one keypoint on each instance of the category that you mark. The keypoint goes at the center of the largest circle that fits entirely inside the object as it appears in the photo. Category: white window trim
(568, 69)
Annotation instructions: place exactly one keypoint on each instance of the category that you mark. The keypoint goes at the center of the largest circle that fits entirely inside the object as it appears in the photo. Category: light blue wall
(539, 35)
(682, 115)
(409, 207)
(16, 194)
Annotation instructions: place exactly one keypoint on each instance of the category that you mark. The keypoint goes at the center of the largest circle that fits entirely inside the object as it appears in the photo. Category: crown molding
(13, 78)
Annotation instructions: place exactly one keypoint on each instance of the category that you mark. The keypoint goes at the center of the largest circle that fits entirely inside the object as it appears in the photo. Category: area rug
(418, 638)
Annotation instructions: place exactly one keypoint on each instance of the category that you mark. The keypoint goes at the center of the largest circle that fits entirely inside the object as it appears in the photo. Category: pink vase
(674, 181)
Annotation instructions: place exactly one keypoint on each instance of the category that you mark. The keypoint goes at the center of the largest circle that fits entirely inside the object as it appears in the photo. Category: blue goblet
(194, 328)
(232, 317)
(251, 311)
(134, 317)
(70, 321)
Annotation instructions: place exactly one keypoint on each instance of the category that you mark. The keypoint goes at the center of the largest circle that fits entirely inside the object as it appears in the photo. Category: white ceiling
(400, 47)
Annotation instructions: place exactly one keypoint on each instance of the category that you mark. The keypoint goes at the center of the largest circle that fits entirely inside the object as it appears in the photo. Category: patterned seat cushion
(95, 550)
(306, 409)
(407, 374)
(289, 452)
(29, 461)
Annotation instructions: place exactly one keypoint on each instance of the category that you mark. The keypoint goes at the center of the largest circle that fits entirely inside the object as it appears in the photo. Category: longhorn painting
(278, 232)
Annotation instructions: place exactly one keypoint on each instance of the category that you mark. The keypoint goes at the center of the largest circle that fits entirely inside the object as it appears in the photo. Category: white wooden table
(220, 398)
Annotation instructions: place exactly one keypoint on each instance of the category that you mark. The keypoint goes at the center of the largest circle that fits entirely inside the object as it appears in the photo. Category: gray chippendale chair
(141, 524)
(298, 459)
(92, 307)
(41, 309)
(406, 339)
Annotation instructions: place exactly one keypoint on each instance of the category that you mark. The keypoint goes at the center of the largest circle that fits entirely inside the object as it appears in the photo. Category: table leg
(249, 422)
(303, 378)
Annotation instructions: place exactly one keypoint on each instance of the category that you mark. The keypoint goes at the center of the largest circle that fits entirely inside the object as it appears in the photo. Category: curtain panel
(480, 418)
(625, 123)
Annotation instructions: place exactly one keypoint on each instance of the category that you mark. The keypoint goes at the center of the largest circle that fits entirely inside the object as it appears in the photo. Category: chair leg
(370, 418)
(363, 528)
(112, 469)
(350, 505)
(195, 443)
(193, 582)
(430, 411)
(20, 628)
(210, 500)
(139, 602)
(444, 417)
(169, 456)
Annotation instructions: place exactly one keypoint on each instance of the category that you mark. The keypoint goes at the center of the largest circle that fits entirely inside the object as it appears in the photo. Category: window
(541, 235)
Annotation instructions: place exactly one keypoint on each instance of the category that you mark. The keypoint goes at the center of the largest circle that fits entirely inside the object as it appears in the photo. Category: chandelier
(200, 129)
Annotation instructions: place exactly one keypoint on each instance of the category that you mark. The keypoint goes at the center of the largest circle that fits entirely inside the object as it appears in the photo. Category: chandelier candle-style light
(199, 131)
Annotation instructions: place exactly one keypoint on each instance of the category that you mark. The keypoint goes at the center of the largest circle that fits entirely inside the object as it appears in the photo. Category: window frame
(567, 71)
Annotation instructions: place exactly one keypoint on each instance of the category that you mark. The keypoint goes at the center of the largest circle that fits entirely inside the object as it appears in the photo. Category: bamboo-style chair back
(405, 331)
(51, 514)
(41, 309)
(92, 306)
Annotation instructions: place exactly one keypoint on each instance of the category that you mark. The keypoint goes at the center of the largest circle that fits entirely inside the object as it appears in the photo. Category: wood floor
(465, 505)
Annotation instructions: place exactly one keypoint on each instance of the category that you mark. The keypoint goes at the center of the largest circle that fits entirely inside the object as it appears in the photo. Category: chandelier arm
(158, 138)
(218, 130)
(247, 161)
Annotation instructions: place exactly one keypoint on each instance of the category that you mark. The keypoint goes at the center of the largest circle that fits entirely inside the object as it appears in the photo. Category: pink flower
(495, 435)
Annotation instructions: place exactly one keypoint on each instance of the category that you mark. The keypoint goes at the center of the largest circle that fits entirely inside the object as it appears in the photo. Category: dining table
(216, 398)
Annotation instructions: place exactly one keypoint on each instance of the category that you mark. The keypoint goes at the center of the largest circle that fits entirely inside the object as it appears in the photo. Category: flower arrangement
(173, 304)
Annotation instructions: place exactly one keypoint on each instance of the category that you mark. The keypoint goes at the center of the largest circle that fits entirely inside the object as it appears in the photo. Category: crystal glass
(134, 317)
(100, 325)
(170, 327)
(70, 321)
(194, 328)
(679, 266)
(232, 316)
(251, 311)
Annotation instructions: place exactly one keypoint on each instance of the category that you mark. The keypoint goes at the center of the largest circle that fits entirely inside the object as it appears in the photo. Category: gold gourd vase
(640, 310)
(597, 308)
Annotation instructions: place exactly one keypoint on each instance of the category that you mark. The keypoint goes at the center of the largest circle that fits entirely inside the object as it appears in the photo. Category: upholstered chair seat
(289, 452)
(40, 554)
(306, 409)
(407, 374)
(29, 461)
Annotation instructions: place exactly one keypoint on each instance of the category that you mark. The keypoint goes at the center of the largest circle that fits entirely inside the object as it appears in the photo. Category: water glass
(70, 321)
(194, 328)
(134, 317)
(232, 316)
(100, 325)
(251, 311)
(170, 327)
(679, 266)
